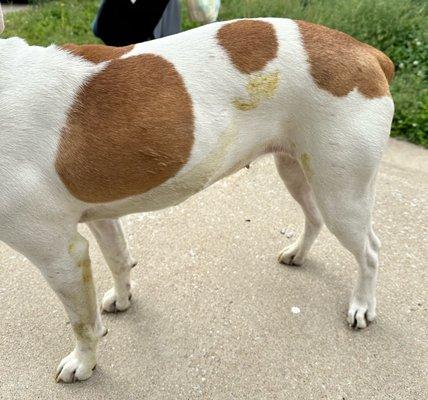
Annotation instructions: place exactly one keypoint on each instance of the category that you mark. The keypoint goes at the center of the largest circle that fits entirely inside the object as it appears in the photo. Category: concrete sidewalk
(211, 315)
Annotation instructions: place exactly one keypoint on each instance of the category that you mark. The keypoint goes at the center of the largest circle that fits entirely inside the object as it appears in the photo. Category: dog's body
(91, 133)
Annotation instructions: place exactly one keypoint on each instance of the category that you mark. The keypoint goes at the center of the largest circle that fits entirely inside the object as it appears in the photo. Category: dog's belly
(166, 195)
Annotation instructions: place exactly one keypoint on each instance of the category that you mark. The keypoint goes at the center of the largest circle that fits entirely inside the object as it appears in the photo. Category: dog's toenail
(355, 322)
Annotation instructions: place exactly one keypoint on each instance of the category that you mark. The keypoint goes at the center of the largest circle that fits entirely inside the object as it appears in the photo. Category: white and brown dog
(91, 133)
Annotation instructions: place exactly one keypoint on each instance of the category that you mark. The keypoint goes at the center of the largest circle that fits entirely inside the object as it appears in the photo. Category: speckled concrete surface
(212, 313)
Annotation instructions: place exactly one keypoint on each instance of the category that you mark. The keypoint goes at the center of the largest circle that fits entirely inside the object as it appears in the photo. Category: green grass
(397, 27)
(67, 21)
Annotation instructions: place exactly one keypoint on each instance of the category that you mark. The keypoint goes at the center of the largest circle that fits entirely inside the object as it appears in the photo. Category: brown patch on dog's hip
(250, 44)
(130, 130)
(340, 63)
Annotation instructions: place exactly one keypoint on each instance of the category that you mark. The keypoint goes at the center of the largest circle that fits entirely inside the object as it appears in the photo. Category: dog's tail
(385, 63)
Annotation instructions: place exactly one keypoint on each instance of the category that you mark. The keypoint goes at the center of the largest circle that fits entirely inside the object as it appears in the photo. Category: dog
(91, 133)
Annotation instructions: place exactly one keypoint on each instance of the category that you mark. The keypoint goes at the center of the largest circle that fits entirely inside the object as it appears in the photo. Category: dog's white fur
(327, 151)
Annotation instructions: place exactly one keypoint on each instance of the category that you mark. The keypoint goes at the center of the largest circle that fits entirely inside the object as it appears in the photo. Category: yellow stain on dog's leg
(305, 160)
(78, 249)
(260, 87)
(86, 271)
(84, 332)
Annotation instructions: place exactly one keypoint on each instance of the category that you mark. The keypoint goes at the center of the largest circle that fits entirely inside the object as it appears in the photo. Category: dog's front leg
(72, 281)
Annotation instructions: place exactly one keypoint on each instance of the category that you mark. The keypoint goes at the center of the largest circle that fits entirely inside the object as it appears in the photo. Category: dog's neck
(20, 61)
(12, 43)
(38, 79)
(10, 49)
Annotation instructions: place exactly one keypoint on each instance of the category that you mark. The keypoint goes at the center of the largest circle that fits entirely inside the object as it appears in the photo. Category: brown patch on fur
(97, 53)
(340, 63)
(130, 130)
(250, 44)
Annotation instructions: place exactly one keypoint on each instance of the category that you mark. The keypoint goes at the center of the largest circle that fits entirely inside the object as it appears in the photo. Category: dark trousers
(119, 22)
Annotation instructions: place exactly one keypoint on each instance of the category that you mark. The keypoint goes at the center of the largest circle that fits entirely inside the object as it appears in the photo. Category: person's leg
(170, 22)
(121, 23)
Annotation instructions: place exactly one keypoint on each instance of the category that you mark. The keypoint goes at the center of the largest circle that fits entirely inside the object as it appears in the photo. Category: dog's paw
(291, 255)
(112, 303)
(77, 366)
(360, 313)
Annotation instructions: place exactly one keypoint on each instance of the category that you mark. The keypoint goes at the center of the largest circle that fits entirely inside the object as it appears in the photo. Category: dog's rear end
(93, 132)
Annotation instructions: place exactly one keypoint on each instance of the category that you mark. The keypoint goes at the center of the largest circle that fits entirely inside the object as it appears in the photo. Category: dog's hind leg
(347, 212)
(112, 242)
(61, 254)
(294, 179)
(341, 161)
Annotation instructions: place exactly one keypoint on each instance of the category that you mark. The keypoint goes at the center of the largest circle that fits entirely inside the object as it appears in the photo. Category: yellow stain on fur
(86, 270)
(202, 173)
(260, 87)
(196, 179)
(84, 331)
(78, 250)
(305, 160)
